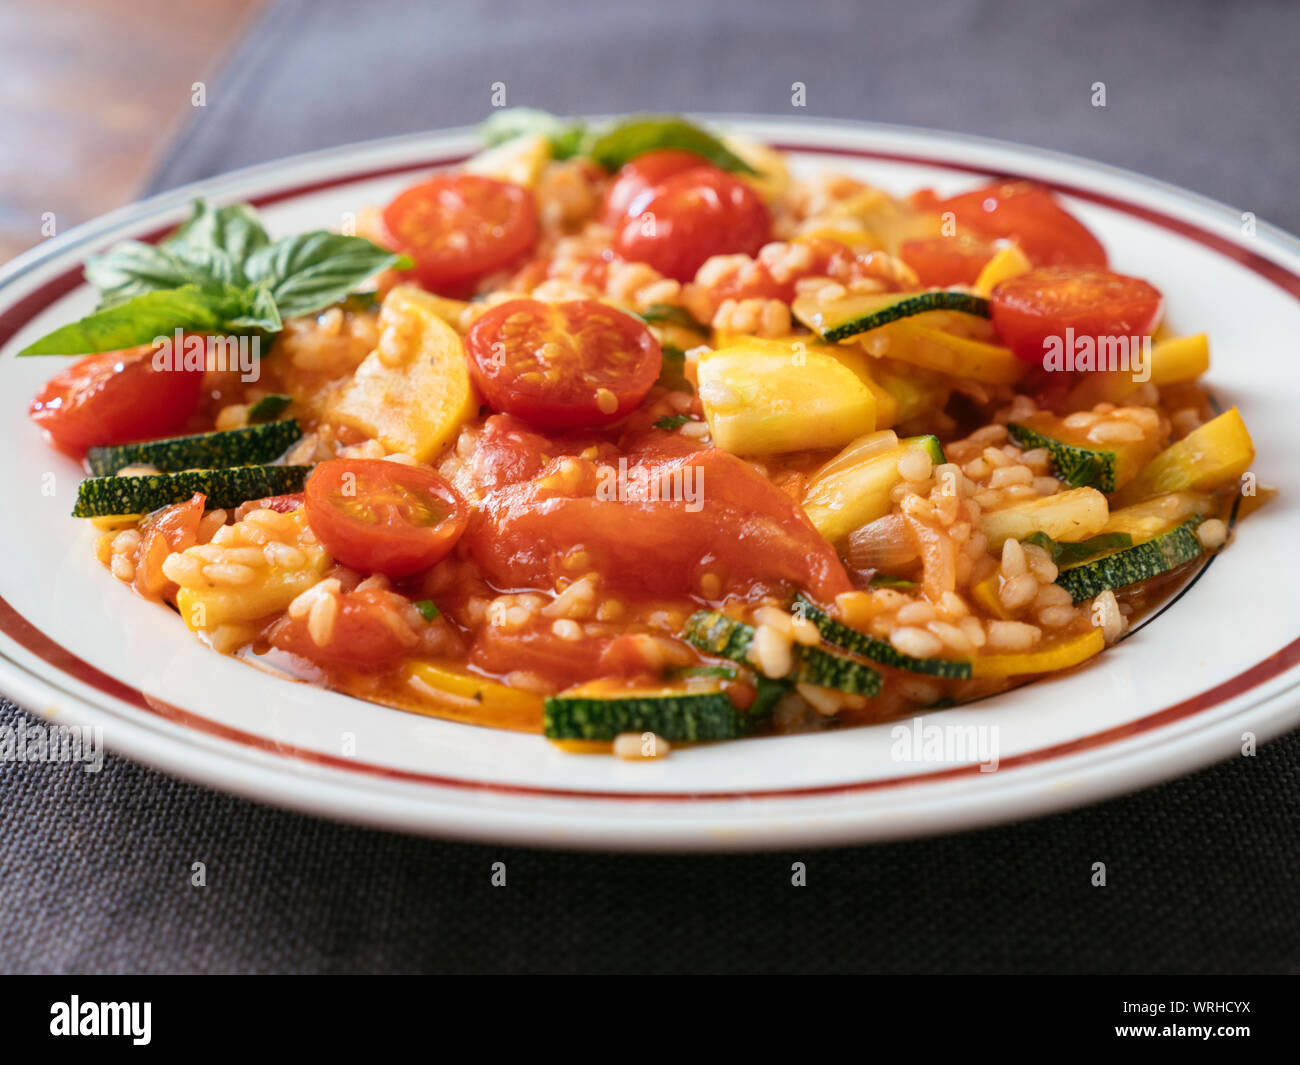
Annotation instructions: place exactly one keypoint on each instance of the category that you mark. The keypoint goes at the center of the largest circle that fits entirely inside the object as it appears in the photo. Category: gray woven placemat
(1202, 872)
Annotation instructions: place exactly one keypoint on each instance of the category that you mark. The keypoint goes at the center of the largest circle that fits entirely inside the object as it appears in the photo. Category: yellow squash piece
(772, 178)
(1173, 361)
(934, 349)
(274, 589)
(1068, 652)
(985, 593)
(1213, 456)
(763, 397)
(854, 487)
(888, 220)
(899, 397)
(1009, 262)
(1067, 516)
(846, 232)
(463, 696)
(413, 392)
(520, 160)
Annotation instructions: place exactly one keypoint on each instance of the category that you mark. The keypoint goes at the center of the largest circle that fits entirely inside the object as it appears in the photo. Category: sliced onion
(884, 544)
(938, 559)
(861, 449)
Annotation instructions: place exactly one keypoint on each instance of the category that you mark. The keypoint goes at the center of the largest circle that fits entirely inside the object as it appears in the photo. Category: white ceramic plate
(1222, 661)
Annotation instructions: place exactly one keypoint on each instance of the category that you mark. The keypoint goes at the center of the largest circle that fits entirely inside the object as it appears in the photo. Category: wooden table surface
(93, 92)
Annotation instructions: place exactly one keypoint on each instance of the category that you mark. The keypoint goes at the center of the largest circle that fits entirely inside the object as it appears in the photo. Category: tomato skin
(493, 222)
(644, 172)
(943, 261)
(606, 361)
(384, 517)
(361, 637)
(537, 650)
(739, 527)
(1042, 304)
(697, 214)
(1028, 214)
(115, 397)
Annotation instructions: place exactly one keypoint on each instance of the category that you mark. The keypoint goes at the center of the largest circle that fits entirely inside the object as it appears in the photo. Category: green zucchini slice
(203, 451)
(839, 319)
(720, 635)
(1164, 538)
(675, 713)
(850, 639)
(100, 497)
(1079, 463)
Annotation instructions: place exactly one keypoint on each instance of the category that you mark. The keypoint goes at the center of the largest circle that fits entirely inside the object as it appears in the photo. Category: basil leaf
(138, 320)
(505, 125)
(1072, 553)
(235, 229)
(131, 267)
(253, 308)
(636, 136)
(312, 270)
(269, 407)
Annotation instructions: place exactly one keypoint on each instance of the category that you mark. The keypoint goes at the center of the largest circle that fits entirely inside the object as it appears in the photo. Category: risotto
(632, 436)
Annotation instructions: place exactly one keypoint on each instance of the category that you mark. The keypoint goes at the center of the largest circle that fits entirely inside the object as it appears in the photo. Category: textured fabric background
(1203, 872)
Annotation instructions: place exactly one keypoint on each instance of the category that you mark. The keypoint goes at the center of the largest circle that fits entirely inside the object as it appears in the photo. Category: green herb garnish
(268, 408)
(612, 145)
(1070, 554)
(427, 609)
(672, 422)
(218, 273)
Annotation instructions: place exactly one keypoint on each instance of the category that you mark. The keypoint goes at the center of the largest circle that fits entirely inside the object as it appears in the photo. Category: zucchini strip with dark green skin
(1078, 467)
(102, 497)
(840, 320)
(251, 446)
(674, 715)
(1132, 565)
(718, 634)
(850, 639)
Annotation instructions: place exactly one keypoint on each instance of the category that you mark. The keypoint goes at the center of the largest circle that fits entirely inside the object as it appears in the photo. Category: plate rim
(190, 761)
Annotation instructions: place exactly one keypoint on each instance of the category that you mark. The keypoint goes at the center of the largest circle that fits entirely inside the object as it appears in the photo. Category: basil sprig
(613, 145)
(219, 272)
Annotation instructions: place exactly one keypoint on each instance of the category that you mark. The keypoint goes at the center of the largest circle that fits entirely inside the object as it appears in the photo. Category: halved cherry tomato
(1028, 214)
(562, 365)
(1030, 309)
(644, 172)
(944, 261)
(384, 517)
(461, 227)
(690, 216)
(116, 397)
